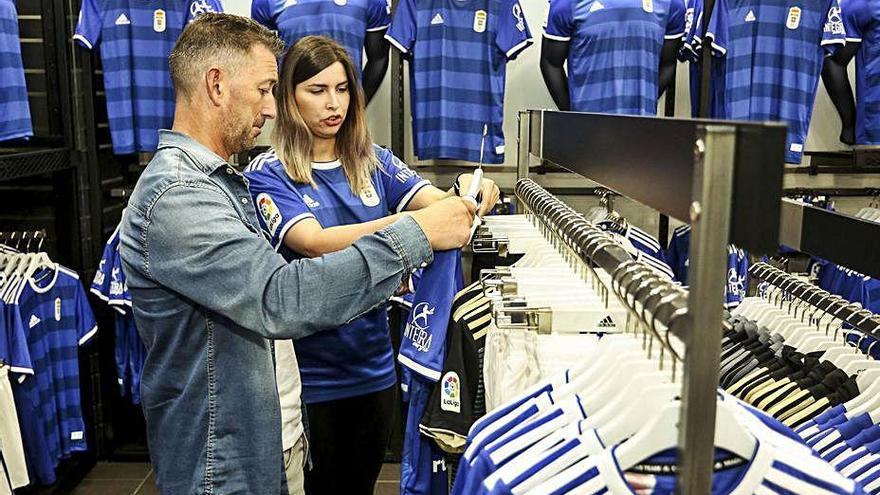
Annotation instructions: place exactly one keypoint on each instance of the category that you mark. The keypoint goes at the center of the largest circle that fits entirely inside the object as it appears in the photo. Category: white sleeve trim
(674, 36)
(82, 39)
(22, 371)
(404, 202)
(839, 41)
(396, 43)
(519, 47)
(854, 40)
(89, 335)
(290, 223)
(418, 368)
(100, 295)
(377, 29)
(556, 38)
(119, 302)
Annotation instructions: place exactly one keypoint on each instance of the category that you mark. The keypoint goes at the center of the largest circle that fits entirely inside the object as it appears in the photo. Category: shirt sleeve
(261, 11)
(834, 34)
(88, 27)
(16, 354)
(86, 325)
(675, 24)
(401, 182)
(560, 21)
(402, 33)
(513, 34)
(278, 206)
(718, 31)
(101, 282)
(856, 18)
(378, 15)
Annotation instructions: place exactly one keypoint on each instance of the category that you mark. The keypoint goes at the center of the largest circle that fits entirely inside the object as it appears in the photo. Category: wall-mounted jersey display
(345, 21)
(773, 54)
(458, 53)
(136, 38)
(861, 18)
(615, 50)
(14, 107)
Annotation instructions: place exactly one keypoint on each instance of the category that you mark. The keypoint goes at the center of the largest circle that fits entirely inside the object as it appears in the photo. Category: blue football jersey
(423, 346)
(861, 19)
(737, 277)
(357, 358)
(614, 50)
(774, 53)
(458, 53)
(136, 38)
(13, 344)
(14, 106)
(346, 21)
(423, 463)
(692, 51)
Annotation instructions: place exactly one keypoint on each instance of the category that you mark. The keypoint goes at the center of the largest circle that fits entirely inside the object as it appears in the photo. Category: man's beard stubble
(237, 133)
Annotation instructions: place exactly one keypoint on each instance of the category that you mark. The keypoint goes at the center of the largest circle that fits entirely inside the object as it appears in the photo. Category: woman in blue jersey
(323, 186)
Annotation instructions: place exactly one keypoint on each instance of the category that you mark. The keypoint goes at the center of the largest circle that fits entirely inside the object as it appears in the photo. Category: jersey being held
(774, 53)
(14, 106)
(614, 50)
(356, 358)
(345, 21)
(458, 53)
(136, 38)
(861, 18)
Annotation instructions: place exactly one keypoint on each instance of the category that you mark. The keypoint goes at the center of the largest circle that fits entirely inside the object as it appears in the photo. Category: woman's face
(323, 101)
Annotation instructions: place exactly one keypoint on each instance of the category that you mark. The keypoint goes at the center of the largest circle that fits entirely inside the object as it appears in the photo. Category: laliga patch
(480, 21)
(57, 309)
(648, 6)
(159, 21)
(369, 196)
(269, 211)
(794, 18)
(450, 399)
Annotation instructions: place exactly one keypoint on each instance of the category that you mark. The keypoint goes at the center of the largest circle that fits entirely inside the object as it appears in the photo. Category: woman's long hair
(291, 136)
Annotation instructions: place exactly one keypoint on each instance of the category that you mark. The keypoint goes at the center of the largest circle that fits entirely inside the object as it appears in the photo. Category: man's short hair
(212, 39)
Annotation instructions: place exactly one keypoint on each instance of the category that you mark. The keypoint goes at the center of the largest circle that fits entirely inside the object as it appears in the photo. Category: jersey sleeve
(15, 353)
(88, 27)
(834, 34)
(402, 33)
(378, 15)
(199, 7)
(101, 282)
(675, 24)
(261, 11)
(513, 34)
(401, 182)
(278, 208)
(718, 32)
(119, 297)
(856, 18)
(559, 25)
(86, 326)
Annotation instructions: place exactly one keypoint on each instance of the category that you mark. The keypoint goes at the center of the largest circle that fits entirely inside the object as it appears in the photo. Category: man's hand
(446, 223)
(489, 192)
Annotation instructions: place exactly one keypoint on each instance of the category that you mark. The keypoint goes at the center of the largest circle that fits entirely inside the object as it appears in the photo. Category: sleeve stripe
(99, 295)
(396, 43)
(556, 38)
(376, 29)
(404, 202)
(290, 223)
(23, 371)
(519, 47)
(674, 36)
(838, 41)
(854, 40)
(418, 368)
(89, 335)
(82, 39)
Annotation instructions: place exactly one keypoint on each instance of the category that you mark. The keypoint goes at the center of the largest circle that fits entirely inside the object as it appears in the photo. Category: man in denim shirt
(208, 291)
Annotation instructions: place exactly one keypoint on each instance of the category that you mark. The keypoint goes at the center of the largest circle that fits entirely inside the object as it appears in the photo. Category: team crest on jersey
(450, 398)
(159, 21)
(369, 196)
(480, 21)
(793, 21)
(57, 309)
(648, 6)
(417, 328)
(269, 211)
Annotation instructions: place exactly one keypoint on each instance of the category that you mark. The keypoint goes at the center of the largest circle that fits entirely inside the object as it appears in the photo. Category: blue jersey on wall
(861, 18)
(346, 21)
(136, 38)
(614, 50)
(458, 53)
(14, 107)
(774, 52)
(356, 358)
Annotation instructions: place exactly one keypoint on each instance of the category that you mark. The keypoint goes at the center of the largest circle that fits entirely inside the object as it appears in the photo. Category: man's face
(323, 101)
(251, 100)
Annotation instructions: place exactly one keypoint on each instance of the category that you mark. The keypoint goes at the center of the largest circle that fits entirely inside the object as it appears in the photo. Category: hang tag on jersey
(57, 309)
(159, 21)
(480, 18)
(648, 6)
(369, 196)
(794, 18)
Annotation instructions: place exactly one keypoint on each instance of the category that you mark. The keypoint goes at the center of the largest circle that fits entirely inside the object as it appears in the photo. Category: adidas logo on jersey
(311, 203)
(750, 17)
(438, 19)
(596, 6)
(607, 322)
(34, 321)
(122, 20)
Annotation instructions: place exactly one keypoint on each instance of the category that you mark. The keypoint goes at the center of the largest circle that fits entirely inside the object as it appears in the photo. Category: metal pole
(522, 144)
(710, 217)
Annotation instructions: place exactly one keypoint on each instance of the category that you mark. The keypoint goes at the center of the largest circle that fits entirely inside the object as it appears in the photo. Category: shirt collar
(205, 159)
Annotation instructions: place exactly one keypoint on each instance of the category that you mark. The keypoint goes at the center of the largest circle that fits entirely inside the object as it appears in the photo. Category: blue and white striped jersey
(16, 123)
(861, 18)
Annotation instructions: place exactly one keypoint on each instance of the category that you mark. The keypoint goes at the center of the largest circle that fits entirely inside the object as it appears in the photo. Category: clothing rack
(19, 237)
(721, 177)
(856, 317)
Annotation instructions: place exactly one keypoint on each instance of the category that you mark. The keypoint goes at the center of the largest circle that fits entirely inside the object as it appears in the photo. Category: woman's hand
(489, 192)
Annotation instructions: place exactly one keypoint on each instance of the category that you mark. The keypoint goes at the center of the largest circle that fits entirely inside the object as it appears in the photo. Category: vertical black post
(397, 100)
(704, 110)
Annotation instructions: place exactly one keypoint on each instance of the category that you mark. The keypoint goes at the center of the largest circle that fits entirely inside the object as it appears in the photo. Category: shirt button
(244, 201)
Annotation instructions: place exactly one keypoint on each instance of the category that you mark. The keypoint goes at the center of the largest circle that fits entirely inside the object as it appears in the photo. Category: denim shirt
(208, 292)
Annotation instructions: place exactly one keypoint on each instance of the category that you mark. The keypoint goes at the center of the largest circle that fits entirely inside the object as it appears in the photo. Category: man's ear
(216, 85)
